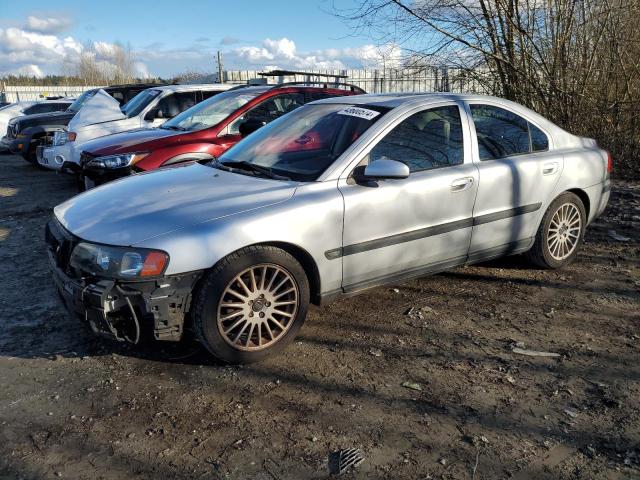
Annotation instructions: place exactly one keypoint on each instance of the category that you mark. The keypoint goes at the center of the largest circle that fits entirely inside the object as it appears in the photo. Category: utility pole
(220, 71)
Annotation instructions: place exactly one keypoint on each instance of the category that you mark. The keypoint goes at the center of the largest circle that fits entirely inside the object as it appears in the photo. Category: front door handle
(461, 184)
(550, 168)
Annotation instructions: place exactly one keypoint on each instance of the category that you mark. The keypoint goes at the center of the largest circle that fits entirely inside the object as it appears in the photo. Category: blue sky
(36, 36)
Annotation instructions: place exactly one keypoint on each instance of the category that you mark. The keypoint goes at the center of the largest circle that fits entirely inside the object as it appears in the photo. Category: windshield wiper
(266, 171)
(173, 127)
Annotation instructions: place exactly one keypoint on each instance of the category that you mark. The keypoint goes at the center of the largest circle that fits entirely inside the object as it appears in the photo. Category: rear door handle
(550, 168)
(460, 184)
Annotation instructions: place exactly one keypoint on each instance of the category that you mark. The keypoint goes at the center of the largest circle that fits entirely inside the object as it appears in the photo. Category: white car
(18, 109)
(102, 115)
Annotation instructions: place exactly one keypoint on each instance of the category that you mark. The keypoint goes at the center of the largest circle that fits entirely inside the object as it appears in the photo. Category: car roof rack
(284, 73)
(148, 85)
(337, 79)
(350, 86)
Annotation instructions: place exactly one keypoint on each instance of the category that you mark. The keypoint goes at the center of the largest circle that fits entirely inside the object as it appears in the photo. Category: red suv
(201, 133)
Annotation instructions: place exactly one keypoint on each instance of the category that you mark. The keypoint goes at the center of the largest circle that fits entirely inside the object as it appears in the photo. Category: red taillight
(609, 162)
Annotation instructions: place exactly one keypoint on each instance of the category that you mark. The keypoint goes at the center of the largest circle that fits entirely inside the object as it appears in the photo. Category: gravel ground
(433, 392)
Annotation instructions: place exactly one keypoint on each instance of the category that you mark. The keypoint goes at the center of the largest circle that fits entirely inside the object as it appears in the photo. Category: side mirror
(250, 126)
(384, 169)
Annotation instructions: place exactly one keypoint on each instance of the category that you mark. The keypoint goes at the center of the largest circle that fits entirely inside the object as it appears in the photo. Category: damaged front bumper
(126, 311)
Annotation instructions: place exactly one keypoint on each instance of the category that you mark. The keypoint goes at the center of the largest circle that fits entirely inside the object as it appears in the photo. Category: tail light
(609, 162)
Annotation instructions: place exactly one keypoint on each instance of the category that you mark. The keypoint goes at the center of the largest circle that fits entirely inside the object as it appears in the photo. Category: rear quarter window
(539, 139)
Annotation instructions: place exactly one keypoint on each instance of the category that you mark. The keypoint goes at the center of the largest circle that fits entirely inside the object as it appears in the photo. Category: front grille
(60, 243)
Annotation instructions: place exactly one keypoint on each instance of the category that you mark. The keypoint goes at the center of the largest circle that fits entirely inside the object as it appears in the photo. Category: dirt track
(73, 406)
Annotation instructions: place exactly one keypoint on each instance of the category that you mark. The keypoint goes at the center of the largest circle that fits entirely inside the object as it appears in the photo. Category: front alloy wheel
(251, 304)
(258, 307)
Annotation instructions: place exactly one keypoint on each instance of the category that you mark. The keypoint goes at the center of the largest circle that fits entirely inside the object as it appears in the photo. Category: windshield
(77, 104)
(138, 103)
(212, 111)
(304, 143)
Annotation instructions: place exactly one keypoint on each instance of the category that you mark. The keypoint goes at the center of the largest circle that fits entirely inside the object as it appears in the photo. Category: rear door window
(270, 109)
(175, 103)
(502, 133)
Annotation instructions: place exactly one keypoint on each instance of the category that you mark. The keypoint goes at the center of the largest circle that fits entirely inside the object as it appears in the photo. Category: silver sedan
(339, 196)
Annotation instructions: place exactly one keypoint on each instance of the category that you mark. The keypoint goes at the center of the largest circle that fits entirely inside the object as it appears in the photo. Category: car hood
(100, 108)
(130, 141)
(140, 207)
(51, 118)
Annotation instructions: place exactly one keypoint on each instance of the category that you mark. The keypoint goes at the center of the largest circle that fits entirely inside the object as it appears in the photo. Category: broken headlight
(118, 262)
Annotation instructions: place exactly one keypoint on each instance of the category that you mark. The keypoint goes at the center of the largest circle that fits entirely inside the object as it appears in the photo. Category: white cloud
(20, 48)
(37, 53)
(32, 53)
(26, 70)
(47, 25)
(282, 53)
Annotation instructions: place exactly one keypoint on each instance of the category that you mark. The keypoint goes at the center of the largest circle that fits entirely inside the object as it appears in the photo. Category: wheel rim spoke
(243, 285)
(234, 325)
(229, 316)
(239, 334)
(258, 307)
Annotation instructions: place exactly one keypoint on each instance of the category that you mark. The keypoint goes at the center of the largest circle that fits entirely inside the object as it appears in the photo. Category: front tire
(251, 304)
(560, 233)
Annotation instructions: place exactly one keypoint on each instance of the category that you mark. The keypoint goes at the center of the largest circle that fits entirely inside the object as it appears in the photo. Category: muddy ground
(73, 406)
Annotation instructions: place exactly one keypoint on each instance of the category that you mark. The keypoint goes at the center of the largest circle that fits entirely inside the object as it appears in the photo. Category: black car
(26, 133)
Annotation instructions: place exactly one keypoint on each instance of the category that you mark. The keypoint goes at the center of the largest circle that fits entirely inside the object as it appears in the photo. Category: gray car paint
(355, 234)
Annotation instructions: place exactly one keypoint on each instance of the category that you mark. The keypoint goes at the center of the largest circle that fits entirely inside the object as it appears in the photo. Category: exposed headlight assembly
(117, 161)
(60, 138)
(118, 262)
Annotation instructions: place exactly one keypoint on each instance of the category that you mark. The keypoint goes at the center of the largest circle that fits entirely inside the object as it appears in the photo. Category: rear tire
(251, 304)
(560, 233)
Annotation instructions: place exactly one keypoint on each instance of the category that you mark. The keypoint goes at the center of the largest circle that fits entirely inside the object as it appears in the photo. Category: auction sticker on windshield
(359, 112)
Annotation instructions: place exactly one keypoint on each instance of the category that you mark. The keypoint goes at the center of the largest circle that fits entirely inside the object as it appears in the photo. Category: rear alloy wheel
(251, 304)
(560, 232)
(564, 231)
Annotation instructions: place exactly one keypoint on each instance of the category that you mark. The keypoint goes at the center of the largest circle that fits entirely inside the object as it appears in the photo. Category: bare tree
(108, 65)
(575, 61)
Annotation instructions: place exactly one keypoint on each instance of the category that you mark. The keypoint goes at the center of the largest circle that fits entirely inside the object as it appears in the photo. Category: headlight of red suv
(117, 161)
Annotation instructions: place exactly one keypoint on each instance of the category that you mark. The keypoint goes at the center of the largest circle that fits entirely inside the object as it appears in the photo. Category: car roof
(126, 86)
(193, 87)
(259, 89)
(393, 100)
